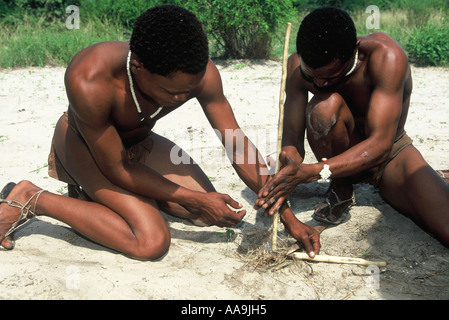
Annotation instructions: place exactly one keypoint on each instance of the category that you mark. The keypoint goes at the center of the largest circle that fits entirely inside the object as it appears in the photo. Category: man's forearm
(250, 165)
(361, 157)
(144, 181)
(253, 175)
(286, 214)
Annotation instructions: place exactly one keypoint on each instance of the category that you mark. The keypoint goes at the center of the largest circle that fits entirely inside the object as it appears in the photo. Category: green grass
(278, 41)
(33, 41)
(422, 34)
(399, 23)
(39, 43)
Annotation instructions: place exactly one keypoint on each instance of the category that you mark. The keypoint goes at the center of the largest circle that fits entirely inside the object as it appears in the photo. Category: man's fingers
(241, 214)
(314, 244)
(262, 197)
(233, 218)
(236, 205)
(274, 196)
(277, 205)
(263, 192)
(232, 202)
(268, 188)
(308, 247)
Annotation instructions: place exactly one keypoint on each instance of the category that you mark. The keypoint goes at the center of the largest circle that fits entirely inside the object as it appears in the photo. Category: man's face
(326, 78)
(168, 91)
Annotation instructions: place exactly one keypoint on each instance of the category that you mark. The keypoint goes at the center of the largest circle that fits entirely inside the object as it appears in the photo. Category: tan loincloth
(399, 144)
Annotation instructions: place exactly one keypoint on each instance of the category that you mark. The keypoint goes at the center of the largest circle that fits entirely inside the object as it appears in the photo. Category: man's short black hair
(168, 39)
(326, 34)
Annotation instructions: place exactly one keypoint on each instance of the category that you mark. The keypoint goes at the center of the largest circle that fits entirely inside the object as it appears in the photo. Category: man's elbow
(116, 173)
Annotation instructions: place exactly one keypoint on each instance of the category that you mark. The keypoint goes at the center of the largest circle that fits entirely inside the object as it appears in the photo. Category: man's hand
(277, 187)
(212, 208)
(303, 233)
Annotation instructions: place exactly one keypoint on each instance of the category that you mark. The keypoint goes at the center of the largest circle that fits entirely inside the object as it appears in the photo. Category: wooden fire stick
(280, 125)
(334, 259)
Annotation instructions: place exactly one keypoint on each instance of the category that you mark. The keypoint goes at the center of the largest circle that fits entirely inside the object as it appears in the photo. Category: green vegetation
(242, 28)
(420, 27)
(34, 32)
(430, 45)
(36, 42)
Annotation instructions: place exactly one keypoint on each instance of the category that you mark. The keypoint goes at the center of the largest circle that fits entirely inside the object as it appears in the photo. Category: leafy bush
(241, 28)
(429, 45)
(121, 12)
(308, 5)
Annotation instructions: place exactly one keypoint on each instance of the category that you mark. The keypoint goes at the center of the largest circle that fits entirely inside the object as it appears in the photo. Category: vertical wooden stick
(280, 125)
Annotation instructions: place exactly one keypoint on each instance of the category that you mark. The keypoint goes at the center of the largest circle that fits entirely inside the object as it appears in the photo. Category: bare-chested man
(119, 172)
(355, 120)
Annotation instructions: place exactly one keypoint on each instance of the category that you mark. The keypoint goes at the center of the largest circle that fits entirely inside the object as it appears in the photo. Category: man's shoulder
(93, 66)
(211, 83)
(383, 53)
(295, 80)
(381, 50)
(97, 60)
(91, 78)
(379, 43)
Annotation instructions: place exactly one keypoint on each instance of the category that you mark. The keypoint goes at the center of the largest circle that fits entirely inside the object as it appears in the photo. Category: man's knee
(323, 113)
(152, 246)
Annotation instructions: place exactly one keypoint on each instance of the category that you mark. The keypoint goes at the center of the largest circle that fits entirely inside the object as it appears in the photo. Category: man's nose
(180, 97)
(320, 82)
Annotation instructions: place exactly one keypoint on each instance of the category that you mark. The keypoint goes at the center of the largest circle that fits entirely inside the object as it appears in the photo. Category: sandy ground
(51, 261)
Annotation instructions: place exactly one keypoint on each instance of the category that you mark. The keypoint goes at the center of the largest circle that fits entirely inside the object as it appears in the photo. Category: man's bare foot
(340, 197)
(21, 192)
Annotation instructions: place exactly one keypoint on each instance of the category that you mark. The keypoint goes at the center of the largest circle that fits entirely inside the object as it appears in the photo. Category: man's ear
(136, 64)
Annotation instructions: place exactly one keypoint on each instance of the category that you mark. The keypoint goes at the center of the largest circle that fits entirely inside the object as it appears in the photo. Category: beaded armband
(325, 173)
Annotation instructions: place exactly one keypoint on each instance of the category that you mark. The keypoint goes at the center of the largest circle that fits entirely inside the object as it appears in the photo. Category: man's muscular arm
(91, 103)
(294, 112)
(244, 156)
(381, 124)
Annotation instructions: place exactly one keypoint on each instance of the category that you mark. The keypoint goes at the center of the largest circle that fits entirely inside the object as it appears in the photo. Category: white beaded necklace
(354, 65)
(131, 86)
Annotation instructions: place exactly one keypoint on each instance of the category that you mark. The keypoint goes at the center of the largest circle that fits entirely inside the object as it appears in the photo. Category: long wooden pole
(280, 125)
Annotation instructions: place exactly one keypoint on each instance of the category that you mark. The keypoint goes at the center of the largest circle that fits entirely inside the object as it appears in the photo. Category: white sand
(50, 261)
